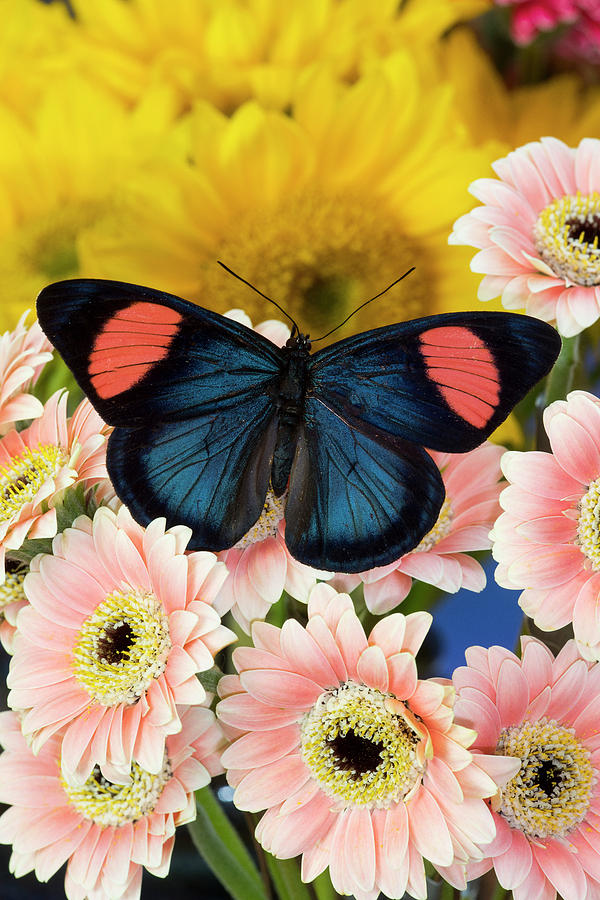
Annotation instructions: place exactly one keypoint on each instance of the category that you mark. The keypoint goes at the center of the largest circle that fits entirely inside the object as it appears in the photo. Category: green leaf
(210, 679)
(222, 849)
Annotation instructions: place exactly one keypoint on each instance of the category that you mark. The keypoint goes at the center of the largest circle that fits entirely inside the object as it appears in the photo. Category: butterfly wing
(357, 499)
(445, 381)
(190, 393)
(141, 354)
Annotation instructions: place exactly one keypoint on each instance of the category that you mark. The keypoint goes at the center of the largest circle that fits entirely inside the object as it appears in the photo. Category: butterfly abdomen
(289, 402)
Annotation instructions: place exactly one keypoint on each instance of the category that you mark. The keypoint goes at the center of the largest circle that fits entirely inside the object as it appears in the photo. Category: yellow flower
(56, 178)
(561, 106)
(32, 41)
(320, 210)
(228, 51)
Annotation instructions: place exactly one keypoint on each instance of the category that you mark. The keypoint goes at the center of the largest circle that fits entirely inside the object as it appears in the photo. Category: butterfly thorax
(289, 401)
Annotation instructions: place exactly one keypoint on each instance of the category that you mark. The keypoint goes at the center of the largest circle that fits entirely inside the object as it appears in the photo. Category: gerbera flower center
(122, 647)
(11, 591)
(551, 793)
(362, 746)
(267, 523)
(112, 805)
(566, 236)
(588, 524)
(20, 482)
(320, 256)
(440, 529)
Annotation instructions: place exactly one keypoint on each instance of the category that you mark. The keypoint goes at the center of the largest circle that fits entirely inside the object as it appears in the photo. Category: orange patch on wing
(129, 345)
(463, 368)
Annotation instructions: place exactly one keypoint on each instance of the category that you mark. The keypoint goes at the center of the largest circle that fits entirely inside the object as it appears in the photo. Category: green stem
(285, 875)
(220, 846)
(558, 384)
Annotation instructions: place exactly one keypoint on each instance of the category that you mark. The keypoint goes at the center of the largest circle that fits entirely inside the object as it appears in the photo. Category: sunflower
(228, 52)
(56, 175)
(320, 210)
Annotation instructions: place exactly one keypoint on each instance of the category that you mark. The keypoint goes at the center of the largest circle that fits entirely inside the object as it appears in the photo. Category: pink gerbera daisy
(260, 566)
(120, 621)
(545, 712)
(105, 832)
(359, 763)
(39, 463)
(530, 17)
(23, 354)
(468, 512)
(539, 232)
(547, 540)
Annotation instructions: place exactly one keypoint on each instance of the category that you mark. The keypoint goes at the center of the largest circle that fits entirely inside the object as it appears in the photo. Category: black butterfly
(208, 415)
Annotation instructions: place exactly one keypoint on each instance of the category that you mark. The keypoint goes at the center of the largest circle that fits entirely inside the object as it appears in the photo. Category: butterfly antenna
(295, 330)
(362, 305)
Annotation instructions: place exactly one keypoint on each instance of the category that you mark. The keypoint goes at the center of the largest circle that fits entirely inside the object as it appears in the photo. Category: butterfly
(209, 415)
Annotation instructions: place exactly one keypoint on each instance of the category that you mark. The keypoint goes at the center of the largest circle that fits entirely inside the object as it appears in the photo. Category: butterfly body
(209, 416)
(289, 402)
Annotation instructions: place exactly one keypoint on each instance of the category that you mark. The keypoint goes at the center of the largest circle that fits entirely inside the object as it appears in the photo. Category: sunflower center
(362, 746)
(22, 479)
(111, 805)
(588, 524)
(566, 236)
(440, 529)
(320, 256)
(551, 793)
(11, 590)
(268, 521)
(122, 647)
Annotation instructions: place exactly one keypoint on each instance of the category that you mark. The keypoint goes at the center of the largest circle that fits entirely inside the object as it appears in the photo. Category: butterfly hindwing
(357, 499)
(210, 472)
(143, 355)
(445, 381)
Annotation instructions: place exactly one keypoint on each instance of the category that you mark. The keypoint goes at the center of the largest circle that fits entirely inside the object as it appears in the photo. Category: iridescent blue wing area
(445, 382)
(357, 499)
(210, 472)
(191, 394)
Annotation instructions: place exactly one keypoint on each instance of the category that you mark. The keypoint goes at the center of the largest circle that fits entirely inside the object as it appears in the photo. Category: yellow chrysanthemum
(56, 178)
(320, 210)
(561, 106)
(228, 51)
(33, 36)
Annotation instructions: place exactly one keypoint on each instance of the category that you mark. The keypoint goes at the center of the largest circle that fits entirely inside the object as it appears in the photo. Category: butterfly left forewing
(444, 381)
(144, 355)
(356, 500)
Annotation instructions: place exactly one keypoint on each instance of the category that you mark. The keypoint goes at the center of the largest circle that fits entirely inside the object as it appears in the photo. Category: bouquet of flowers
(276, 707)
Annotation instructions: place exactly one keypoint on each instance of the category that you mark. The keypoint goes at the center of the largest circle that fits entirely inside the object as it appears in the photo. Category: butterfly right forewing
(445, 382)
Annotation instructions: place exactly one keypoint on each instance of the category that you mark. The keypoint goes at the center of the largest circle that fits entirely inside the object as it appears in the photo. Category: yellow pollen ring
(111, 805)
(551, 793)
(362, 749)
(122, 647)
(27, 472)
(588, 524)
(566, 236)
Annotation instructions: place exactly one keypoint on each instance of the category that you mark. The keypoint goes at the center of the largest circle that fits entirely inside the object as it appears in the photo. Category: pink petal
(574, 448)
(269, 785)
(282, 689)
(372, 669)
(562, 869)
(428, 829)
